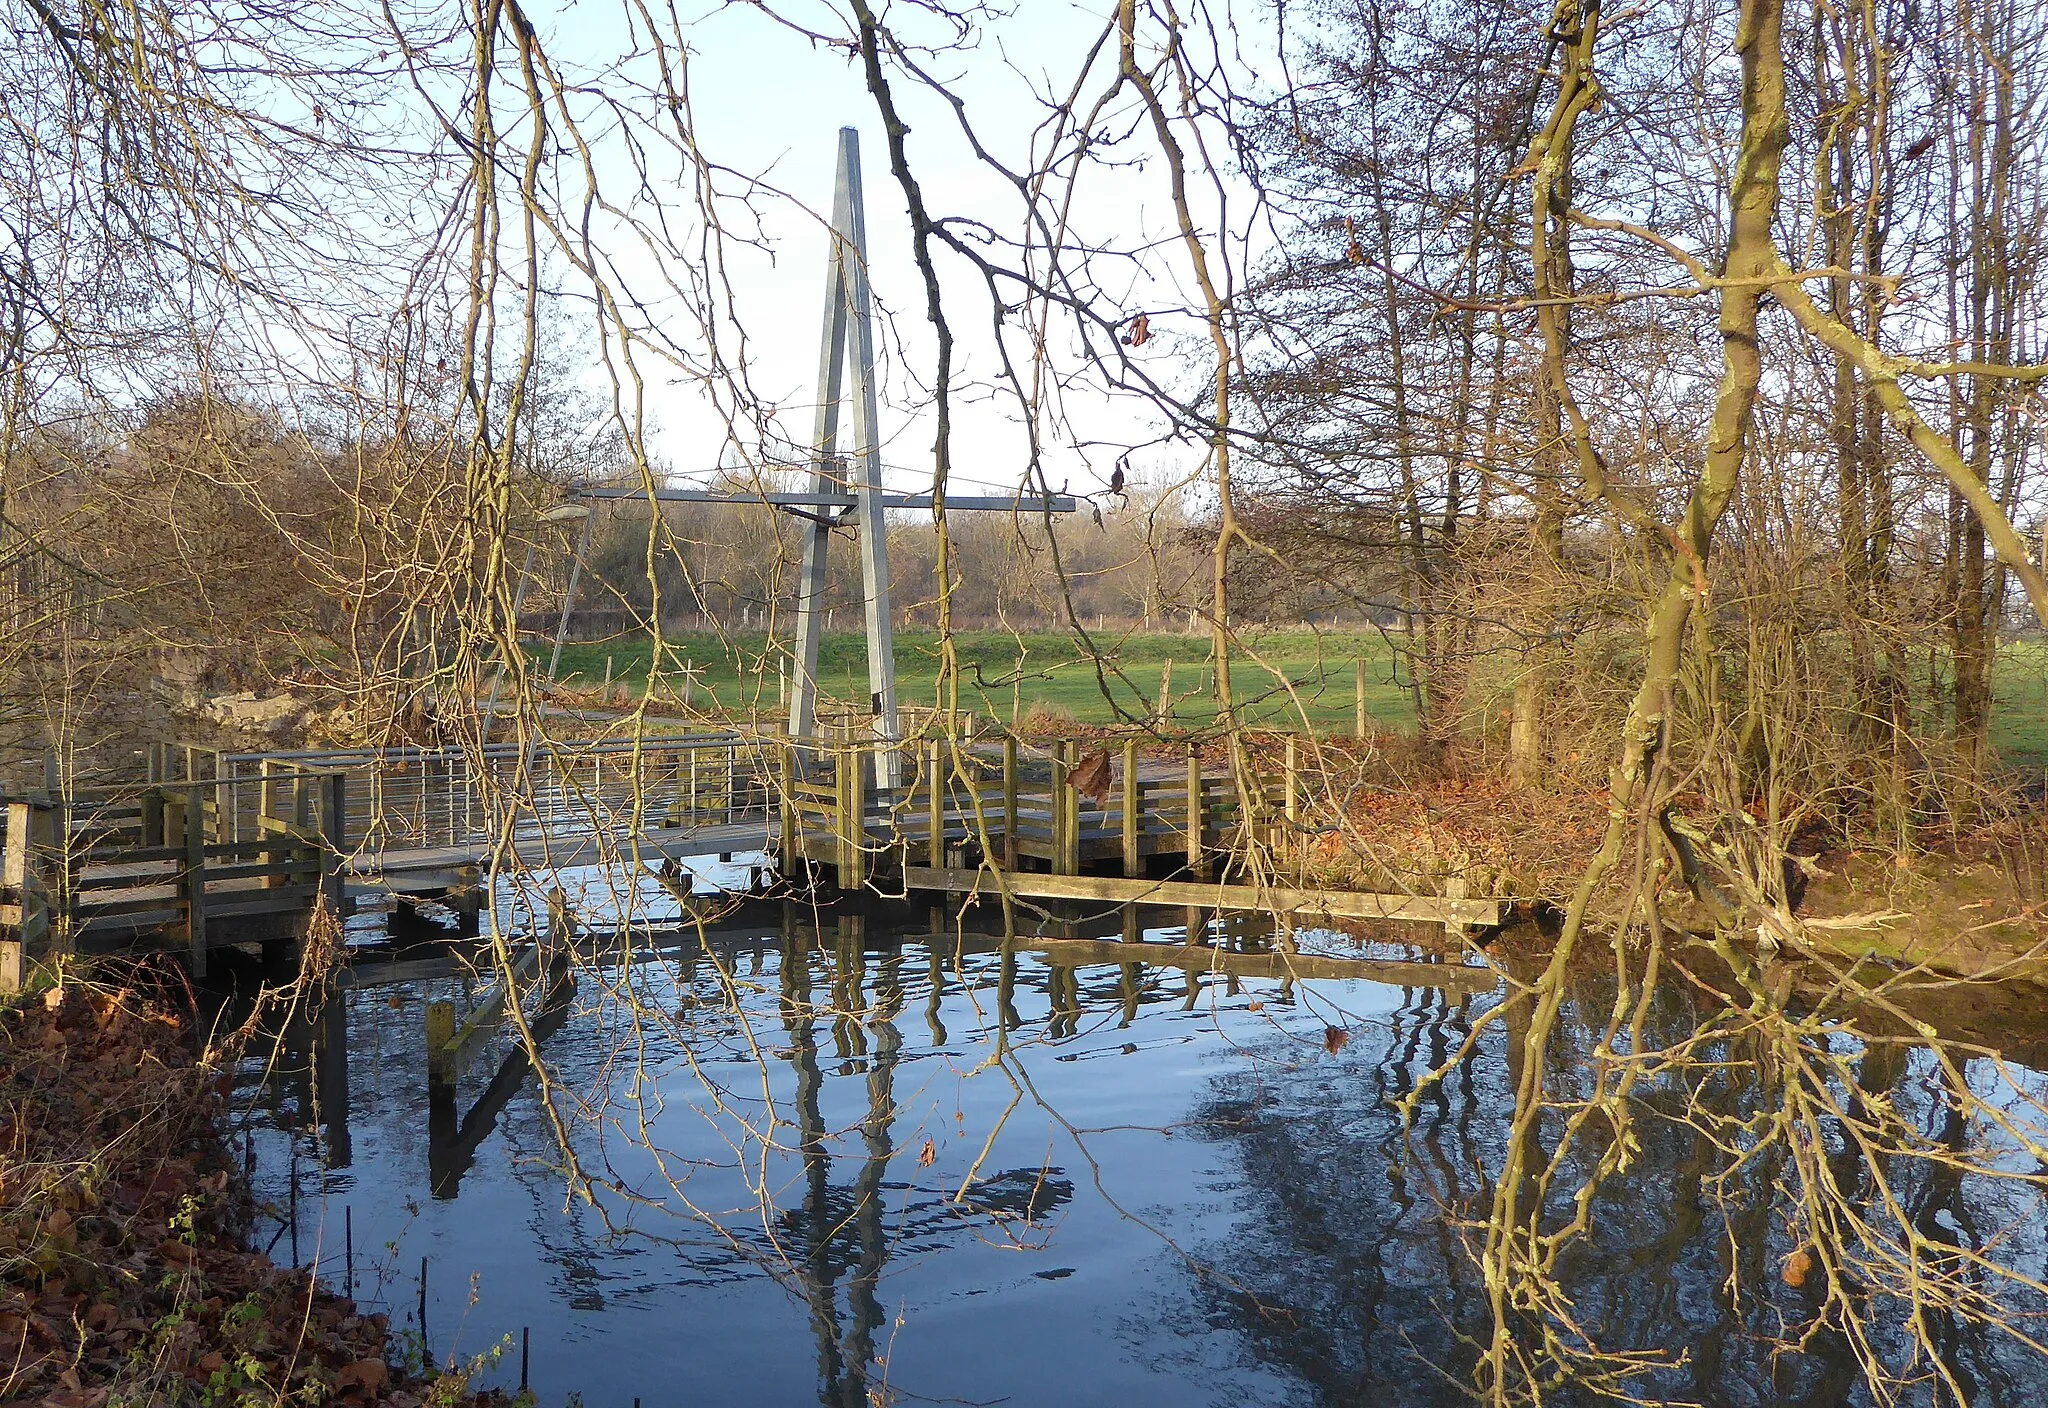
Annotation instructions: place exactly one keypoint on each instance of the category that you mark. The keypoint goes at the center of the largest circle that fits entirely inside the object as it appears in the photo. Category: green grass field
(2019, 709)
(1001, 672)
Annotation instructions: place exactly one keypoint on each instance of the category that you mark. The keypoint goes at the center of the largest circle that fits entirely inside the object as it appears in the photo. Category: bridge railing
(427, 798)
(1011, 798)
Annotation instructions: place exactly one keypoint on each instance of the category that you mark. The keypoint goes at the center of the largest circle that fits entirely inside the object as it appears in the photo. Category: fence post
(1134, 863)
(24, 900)
(1358, 696)
(14, 897)
(1197, 815)
(192, 876)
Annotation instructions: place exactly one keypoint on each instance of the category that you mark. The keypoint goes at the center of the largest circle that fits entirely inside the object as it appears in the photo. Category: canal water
(792, 1157)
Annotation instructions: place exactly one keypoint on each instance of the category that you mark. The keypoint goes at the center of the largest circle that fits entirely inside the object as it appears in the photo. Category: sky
(768, 102)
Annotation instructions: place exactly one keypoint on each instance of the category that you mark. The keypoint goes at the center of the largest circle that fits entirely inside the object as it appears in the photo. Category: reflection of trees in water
(1358, 1281)
(1356, 1273)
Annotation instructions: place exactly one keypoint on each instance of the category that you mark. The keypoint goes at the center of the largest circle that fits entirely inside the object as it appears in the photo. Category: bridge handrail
(654, 742)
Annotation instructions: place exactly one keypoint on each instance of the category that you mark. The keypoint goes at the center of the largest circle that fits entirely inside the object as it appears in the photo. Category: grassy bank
(1005, 674)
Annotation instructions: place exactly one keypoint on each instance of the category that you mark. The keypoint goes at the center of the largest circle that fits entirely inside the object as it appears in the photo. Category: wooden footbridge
(209, 849)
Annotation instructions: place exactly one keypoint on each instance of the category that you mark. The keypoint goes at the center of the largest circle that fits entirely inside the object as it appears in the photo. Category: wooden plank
(305, 864)
(135, 922)
(491, 1011)
(296, 900)
(1337, 904)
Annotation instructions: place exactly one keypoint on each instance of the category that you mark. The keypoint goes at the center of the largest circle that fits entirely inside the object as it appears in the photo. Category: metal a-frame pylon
(848, 336)
(837, 494)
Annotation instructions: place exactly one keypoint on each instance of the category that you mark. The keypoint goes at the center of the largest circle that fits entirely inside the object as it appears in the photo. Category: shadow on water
(826, 1158)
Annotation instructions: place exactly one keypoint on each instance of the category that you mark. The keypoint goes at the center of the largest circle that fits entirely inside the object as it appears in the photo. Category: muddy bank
(125, 1275)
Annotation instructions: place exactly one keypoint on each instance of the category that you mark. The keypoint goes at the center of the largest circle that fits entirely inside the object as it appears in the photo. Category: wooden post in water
(1197, 864)
(440, 1032)
(1134, 863)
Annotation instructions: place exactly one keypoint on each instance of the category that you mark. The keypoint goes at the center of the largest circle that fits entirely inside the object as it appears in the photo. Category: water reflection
(1364, 1282)
(838, 1159)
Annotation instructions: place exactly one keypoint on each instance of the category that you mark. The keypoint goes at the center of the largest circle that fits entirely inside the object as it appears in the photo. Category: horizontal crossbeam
(996, 503)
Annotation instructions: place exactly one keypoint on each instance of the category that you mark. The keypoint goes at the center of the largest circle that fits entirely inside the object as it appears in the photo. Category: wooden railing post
(458, 777)
(787, 767)
(1066, 812)
(852, 765)
(1197, 815)
(154, 831)
(334, 833)
(1009, 801)
(936, 820)
(192, 875)
(1290, 808)
(1134, 862)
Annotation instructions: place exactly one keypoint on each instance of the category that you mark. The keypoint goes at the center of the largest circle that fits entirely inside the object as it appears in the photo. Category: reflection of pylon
(848, 326)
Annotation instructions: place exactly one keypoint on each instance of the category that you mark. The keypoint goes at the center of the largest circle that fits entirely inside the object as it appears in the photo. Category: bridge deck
(252, 851)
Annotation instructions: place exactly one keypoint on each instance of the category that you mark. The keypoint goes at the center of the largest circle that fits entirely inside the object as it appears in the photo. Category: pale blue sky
(769, 102)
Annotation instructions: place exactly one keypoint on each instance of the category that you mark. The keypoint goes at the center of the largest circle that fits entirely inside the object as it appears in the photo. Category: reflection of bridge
(246, 848)
(839, 1007)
